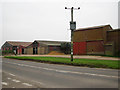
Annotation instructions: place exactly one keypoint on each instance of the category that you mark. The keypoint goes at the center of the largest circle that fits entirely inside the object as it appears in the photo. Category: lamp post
(72, 28)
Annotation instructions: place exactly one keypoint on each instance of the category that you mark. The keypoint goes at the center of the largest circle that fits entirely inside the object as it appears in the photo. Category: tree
(65, 47)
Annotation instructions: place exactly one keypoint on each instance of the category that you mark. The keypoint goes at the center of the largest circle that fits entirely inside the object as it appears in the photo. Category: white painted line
(27, 84)
(94, 74)
(13, 87)
(14, 80)
(8, 78)
(63, 71)
(48, 69)
(4, 83)
(11, 74)
(37, 82)
(76, 67)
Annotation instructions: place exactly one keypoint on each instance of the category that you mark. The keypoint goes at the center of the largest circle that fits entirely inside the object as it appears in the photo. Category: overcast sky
(29, 20)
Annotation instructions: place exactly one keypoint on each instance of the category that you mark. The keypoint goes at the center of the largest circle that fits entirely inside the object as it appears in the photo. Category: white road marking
(75, 66)
(63, 71)
(27, 84)
(8, 78)
(37, 82)
(13, 87)
(11, 74)
(31, 80)
(48, 69)
(14, 80)
(94, 74)
(4, 83)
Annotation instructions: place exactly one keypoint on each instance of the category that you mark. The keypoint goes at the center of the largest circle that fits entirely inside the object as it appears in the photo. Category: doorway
(22, 50)
(35, 50)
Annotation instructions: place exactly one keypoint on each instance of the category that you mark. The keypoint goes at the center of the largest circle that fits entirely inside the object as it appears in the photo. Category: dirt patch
(55, 53)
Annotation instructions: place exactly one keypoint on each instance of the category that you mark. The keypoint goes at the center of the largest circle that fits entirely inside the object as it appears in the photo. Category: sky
(29, 20)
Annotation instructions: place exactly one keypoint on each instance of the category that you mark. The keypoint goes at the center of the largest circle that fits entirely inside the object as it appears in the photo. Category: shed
(44, 47)
(18, 46)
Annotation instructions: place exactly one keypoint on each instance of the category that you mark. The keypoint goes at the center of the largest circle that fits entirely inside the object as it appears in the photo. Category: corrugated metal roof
(95, 27)
(50, 43)
(18, 43)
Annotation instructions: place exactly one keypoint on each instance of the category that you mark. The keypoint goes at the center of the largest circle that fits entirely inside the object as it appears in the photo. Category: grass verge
(77, 62)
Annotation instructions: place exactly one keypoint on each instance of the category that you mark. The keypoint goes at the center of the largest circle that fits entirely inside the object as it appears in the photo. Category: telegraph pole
(72, 28)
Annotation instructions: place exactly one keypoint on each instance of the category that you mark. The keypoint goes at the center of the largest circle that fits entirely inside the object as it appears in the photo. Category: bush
(66, 47)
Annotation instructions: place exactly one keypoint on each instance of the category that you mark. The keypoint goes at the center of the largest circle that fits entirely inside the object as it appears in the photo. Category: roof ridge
(93, 27)
(17, 41)
(49, 41)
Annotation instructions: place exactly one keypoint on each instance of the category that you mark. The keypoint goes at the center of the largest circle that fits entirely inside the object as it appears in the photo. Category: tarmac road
(44, 75)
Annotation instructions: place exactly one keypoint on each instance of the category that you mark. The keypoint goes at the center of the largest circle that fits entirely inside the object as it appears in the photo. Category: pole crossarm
(73, 8)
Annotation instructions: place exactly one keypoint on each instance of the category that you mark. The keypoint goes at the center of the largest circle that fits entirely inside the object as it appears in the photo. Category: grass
(105, 56)
(77, 62)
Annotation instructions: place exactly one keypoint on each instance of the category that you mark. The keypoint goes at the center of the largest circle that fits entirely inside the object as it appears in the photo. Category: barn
(44, 47)
(18, 47)
(90, 40)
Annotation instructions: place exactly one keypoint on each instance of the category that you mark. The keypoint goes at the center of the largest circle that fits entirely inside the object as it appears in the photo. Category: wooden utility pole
(72, 28)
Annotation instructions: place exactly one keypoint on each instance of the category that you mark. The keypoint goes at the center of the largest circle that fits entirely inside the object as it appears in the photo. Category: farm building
(112, 47)
(18, 47)
(90, 40)
(43, 47)
(98, 40)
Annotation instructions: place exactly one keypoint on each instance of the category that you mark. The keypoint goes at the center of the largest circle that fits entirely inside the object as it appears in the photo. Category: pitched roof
(17, 43)
(95, 27)
(50, 43)
(114, 30)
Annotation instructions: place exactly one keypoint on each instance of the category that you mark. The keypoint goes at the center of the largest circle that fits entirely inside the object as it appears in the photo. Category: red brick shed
(17, 46)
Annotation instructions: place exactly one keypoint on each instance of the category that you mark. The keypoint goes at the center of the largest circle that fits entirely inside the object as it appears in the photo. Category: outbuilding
(15, 46)
(44, 47)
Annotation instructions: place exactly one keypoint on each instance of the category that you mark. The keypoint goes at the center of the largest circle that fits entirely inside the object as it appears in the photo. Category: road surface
(28, 74)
